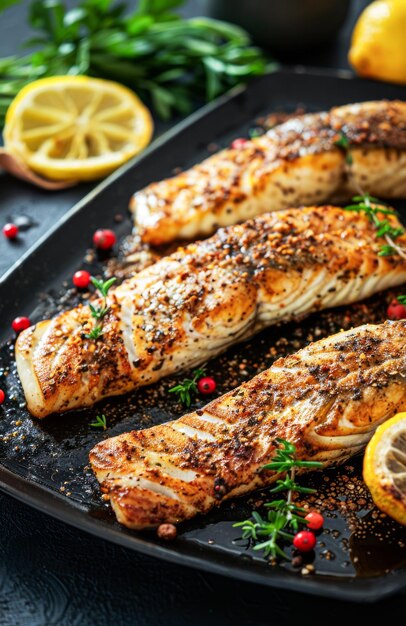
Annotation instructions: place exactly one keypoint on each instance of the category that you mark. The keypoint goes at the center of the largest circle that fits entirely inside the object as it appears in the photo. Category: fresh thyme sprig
(100, 422)
(283, 516)
(373, 208)
(187, 387)
(99, 312)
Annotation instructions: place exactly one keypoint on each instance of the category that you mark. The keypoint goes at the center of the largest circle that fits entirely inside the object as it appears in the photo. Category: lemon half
(75, 127)
(385, 467)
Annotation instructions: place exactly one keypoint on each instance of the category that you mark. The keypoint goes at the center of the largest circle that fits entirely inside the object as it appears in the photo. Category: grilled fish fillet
(193, 304)
(327, 399)
(296, 163)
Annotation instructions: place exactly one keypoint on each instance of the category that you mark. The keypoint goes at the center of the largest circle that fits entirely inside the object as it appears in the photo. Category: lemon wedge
(385, 467)
(378, 48)
(75, 127)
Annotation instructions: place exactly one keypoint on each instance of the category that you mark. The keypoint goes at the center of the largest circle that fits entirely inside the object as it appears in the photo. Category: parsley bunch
(169, 61)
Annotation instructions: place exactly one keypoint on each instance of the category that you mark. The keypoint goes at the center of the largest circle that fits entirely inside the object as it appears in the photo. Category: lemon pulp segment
(385, 467)
(75, 127)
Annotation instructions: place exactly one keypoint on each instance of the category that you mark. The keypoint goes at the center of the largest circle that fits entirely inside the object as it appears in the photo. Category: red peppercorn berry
(206, 385)
(304, 541)
(20, 323)
(10, 231)
(238, 143)
(2, 396)
(396, 311)
(81, 279)
(104, 239)
(314, 520)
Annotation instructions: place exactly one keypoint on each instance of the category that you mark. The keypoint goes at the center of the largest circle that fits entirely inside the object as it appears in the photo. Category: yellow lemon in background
(378, 47)
(75, 127)
(385, 467)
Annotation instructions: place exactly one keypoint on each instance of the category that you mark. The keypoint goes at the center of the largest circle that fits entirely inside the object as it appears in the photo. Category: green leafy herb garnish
(387, 251)
(344, 143)
(187, 387)
(284, 517)
(401, 299)
(170, 61)
(255, 132)
(99, 312)
(374, 209)
(95, 333)
(100, 422)
(5, 4)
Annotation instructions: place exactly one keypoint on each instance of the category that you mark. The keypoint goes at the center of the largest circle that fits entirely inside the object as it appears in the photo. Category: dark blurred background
(293, 29)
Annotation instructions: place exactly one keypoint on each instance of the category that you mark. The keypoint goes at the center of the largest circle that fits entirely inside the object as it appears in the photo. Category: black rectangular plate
(45, 463)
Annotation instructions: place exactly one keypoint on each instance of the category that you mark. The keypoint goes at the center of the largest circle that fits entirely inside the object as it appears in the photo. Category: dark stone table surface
(52, 574)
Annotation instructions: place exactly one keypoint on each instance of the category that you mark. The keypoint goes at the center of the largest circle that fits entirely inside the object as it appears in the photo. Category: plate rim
(56, 505)
(51, 503)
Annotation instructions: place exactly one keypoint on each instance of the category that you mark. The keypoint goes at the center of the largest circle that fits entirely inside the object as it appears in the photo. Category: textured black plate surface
(360, 554)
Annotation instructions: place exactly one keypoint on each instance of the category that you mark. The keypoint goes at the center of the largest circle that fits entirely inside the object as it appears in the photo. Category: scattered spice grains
(344, 491)
(297, 561)
(341, 494)
(273, 119)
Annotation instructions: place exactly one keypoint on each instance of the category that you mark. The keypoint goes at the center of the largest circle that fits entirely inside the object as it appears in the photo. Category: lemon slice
(75, 127)
(385, 467)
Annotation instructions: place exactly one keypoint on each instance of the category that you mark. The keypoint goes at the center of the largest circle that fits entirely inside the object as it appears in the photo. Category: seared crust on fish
(327, 399)
(190, 306)
(296, 163)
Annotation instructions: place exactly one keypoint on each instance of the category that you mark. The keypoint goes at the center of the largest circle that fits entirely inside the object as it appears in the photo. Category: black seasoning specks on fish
(295, 163)
(174, 471)
(194, 304)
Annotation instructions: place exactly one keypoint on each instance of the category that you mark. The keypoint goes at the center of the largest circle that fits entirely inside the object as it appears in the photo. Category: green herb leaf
(255, 132)
(187, 387)
(100, 422)
(99, 312)
(197, 58)
(374, 209)
(342, 142)
(283, 515)
(5, 4)
(95, 333)
(387, 250)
